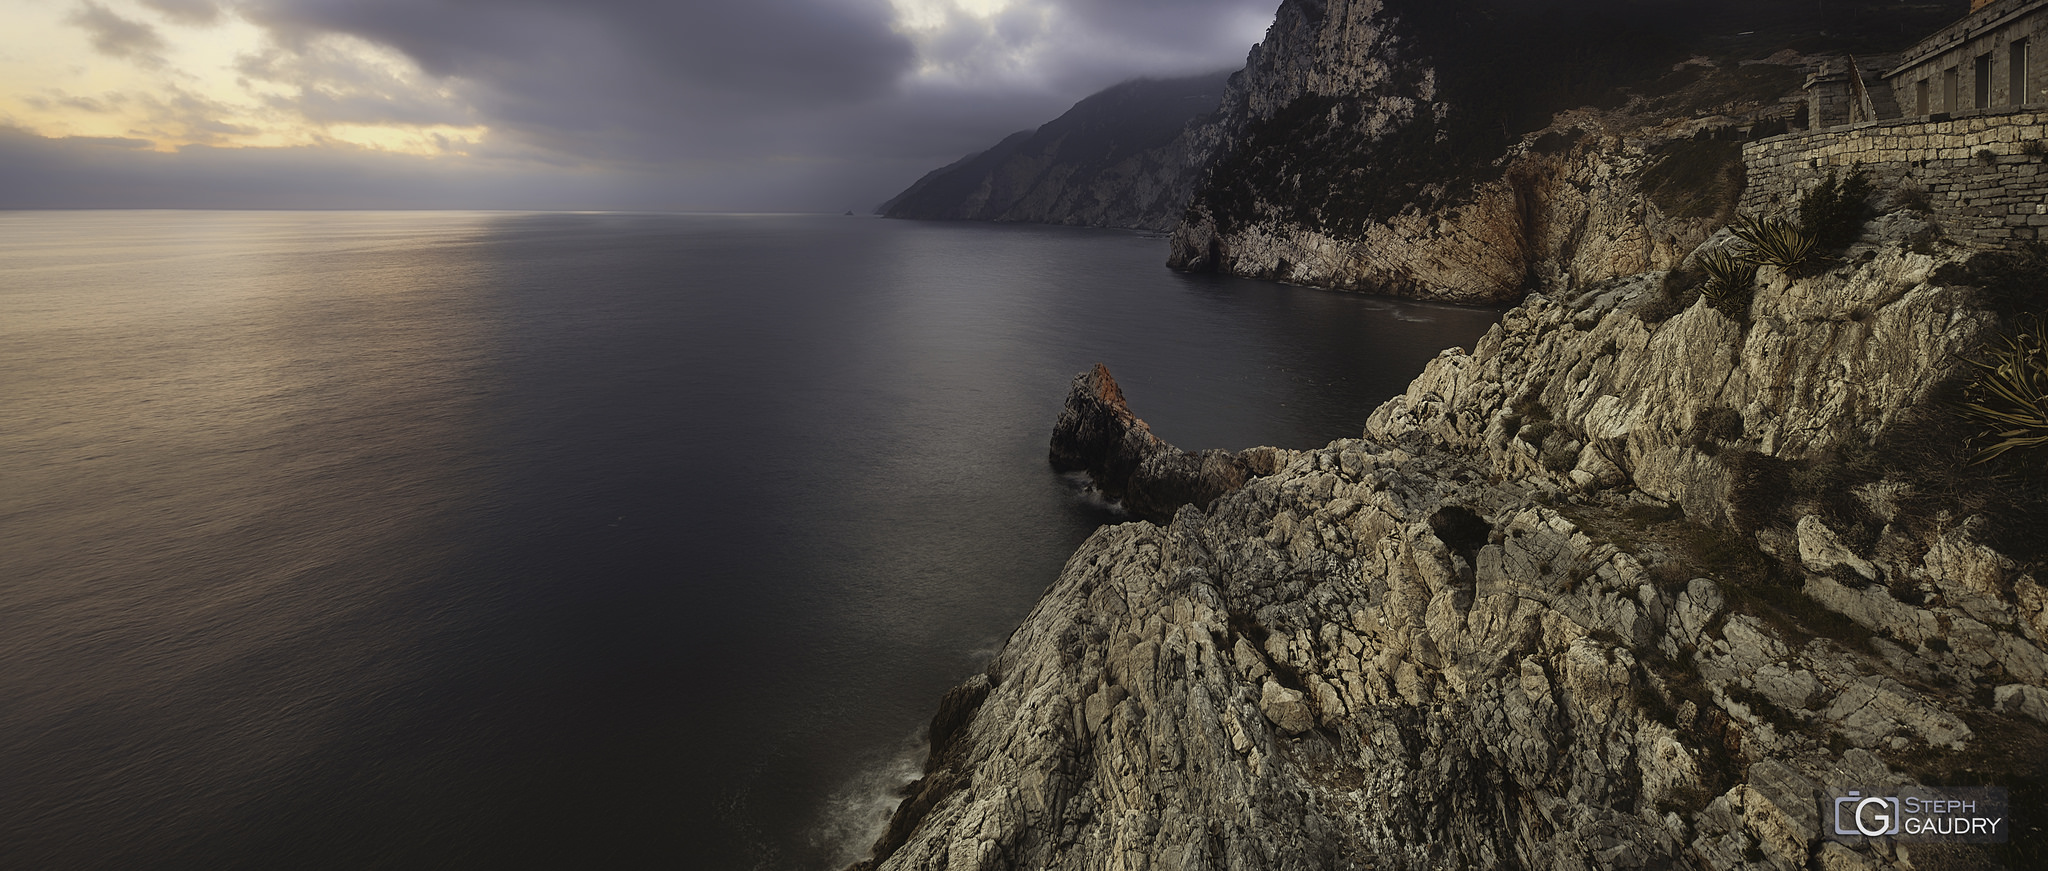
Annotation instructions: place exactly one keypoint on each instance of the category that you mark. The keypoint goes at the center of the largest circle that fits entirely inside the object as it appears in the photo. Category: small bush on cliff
(1713, 428)
(1759, 488)
(1675, 294)
(1773, 242)
(1834, 211)
(2008, 398)
(1728, 284)
(2010, 283)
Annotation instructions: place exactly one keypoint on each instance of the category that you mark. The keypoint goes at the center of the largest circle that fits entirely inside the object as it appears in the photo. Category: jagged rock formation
(1518, 624)
(1117, 159)
(1098, 434)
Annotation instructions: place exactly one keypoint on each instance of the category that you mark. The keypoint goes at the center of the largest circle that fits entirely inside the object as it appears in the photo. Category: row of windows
(1951, 83)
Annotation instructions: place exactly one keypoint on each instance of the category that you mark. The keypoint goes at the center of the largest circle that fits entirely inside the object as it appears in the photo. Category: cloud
(852, 98)
(1071, 45)
(193, 12)
(110, 141)
(112, 173)
(328, 83)
(119, 37)
(638, 81)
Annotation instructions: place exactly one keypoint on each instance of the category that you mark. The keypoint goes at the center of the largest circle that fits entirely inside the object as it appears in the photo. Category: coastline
(1515, 622)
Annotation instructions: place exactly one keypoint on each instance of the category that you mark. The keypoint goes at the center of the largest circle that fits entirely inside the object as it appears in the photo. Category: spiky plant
(1729, 278)
(1772, 242)
(2009, 397)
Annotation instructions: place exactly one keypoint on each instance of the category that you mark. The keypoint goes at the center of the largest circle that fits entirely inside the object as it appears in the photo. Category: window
(1920, 97)
(2016, 75)
(1983, 82)
(1951, 97)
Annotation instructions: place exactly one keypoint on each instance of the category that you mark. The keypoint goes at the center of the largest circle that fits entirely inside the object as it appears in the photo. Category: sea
(584, 540)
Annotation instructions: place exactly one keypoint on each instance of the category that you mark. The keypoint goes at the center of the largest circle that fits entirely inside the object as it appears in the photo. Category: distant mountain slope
(1116, 159)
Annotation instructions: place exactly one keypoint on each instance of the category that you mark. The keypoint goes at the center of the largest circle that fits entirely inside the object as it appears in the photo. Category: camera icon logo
(1871, 816)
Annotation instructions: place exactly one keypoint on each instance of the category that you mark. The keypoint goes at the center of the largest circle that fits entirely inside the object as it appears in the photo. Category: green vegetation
(1728, 287)
(1313, 164)
(2009, 396)
(1832, 214)
(1773, 242)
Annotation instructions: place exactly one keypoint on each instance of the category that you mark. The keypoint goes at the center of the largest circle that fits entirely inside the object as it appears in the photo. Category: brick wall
(1979, 179)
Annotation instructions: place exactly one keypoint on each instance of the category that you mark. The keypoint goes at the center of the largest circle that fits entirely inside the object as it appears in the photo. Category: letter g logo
(1885, 823)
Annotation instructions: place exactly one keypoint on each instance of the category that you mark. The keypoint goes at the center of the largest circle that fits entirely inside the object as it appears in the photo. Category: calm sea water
(458, 540)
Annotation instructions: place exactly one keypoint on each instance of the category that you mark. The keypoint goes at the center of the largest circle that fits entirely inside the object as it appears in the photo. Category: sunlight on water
(474, 540)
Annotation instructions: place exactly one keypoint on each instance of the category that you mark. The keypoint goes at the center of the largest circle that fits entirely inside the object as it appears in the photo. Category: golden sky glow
(796, 104)
(192, 83)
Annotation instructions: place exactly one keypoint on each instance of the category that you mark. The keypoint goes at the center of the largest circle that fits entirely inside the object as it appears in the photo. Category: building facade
(1993, 59)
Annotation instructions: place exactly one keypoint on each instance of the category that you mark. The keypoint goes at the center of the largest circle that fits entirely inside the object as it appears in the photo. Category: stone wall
(1992, 58)
(1984, 176)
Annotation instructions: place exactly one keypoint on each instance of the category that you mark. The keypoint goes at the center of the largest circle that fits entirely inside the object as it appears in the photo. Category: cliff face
(1519, 623)
(1418, 149)
(1468, 151)
(1117, 159)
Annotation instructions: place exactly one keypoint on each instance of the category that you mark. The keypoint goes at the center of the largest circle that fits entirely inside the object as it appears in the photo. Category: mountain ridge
(1113, 160)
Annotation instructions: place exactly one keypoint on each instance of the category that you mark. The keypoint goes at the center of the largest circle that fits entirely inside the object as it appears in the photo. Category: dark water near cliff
(340, 540)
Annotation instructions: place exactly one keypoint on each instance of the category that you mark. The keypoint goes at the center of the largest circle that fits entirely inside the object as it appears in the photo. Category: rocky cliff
(1469, 151)
(1418, 149)
(1117, 159)
(1617, 588)
(1476, 151)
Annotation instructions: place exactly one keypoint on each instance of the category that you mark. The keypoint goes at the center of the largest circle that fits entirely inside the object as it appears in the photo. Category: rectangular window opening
(1983, 82)
(2016, 74)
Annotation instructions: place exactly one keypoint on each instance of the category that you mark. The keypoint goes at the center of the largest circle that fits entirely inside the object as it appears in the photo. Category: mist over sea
(481, 540)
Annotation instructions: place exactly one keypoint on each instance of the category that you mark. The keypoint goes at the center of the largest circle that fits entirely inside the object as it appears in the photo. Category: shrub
(1931, 449)
(1675, 294)
(1713, 427)
(1773, 242)
(2009, 396)
(1834, 211)
(1760, 487)
(1727, 287)
(2010, 282)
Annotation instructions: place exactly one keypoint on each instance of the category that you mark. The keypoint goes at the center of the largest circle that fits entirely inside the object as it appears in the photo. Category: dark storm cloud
(696, 100)
(1086, 45)
(118, 37)
(791, 51)
(637, 81)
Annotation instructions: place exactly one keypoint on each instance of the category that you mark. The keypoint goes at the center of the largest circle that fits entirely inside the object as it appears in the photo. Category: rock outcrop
(1516, 624)
(1128, 465)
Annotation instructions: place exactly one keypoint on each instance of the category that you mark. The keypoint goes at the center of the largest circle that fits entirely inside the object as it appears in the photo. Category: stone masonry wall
(1985, 176)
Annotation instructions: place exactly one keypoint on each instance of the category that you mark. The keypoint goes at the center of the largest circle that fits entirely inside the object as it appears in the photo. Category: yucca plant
(1729, 278)
(1772, 242)
(2009, 397)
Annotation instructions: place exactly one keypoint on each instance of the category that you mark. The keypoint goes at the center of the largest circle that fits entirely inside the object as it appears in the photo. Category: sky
(691, 105)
